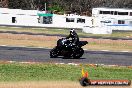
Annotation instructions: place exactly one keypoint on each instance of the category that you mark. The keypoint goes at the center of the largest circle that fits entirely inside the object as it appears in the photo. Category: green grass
(36, 30)
(66, 32)
(52, 72)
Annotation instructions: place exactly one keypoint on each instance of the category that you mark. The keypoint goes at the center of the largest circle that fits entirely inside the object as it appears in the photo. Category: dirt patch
(28, 37)
(50, 42)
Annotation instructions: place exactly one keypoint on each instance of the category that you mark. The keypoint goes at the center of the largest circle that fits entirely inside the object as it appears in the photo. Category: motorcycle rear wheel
(54, 52)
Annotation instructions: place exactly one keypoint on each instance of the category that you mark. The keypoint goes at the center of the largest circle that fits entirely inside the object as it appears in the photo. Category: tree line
(68, 5)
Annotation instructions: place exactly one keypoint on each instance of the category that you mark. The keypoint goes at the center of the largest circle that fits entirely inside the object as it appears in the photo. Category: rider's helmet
(72, 31)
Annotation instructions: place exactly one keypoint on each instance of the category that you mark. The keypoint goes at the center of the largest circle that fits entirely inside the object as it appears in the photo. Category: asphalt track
(23, 54)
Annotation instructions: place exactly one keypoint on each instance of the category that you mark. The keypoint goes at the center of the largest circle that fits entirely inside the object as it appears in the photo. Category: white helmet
(72, 30)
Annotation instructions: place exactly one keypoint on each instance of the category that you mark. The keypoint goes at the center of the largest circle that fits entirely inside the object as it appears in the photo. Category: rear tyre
(54, 52)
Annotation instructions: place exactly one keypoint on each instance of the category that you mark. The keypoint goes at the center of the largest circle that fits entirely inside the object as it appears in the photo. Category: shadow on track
(73, 58)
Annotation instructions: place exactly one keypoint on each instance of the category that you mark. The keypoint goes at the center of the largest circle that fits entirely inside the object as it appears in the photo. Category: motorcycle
(66, 49)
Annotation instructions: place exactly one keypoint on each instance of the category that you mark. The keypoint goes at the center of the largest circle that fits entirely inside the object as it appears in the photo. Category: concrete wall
(30, 18)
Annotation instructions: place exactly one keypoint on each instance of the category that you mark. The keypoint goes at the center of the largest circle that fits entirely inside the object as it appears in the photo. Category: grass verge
(51, 72)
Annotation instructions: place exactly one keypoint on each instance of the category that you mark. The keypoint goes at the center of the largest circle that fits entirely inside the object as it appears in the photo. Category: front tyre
(77, 53)
(54, 52)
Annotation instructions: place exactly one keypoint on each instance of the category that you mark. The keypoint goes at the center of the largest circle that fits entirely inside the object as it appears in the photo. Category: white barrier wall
(22, 17)
(97, 30)
(30, 18)
(60, 21)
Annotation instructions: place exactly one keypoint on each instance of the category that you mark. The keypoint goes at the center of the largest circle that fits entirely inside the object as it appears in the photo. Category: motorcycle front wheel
(77, 53)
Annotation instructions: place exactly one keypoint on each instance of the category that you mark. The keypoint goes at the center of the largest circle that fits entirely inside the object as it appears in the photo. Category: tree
(69, 5)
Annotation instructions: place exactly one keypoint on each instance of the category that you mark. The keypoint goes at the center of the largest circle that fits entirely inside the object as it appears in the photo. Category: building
(102, 21)
(108, 19)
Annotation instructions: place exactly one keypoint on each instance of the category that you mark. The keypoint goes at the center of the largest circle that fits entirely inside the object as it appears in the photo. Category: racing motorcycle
(66, 49)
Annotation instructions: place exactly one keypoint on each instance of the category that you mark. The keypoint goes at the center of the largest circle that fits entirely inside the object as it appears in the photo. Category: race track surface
(21, 54)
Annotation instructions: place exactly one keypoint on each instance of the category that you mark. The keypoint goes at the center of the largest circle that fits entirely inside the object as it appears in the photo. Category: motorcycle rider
(69, 47)
(74, 37)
